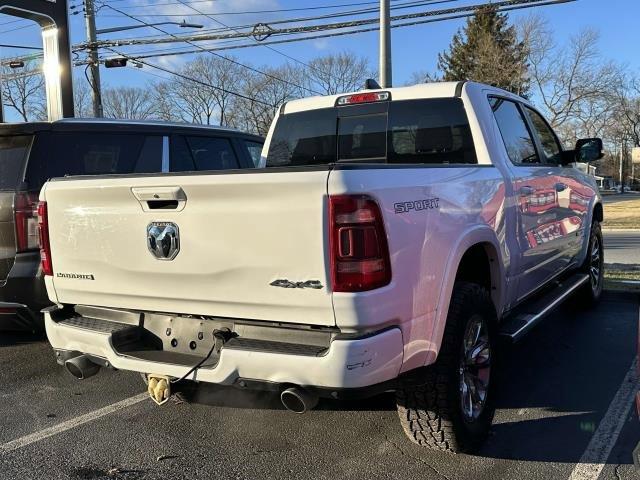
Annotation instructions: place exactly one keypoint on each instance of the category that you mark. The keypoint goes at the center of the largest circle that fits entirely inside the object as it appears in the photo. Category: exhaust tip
(298, 400)
(81, 367)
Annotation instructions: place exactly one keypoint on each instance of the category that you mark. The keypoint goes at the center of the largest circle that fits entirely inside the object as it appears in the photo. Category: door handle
(525, 191)
(160, 198)
(561, 187)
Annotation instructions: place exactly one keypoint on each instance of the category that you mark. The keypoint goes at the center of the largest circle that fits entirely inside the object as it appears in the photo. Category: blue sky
(414, 48)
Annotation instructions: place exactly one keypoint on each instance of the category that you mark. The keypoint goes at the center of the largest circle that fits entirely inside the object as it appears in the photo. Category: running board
(524, 318)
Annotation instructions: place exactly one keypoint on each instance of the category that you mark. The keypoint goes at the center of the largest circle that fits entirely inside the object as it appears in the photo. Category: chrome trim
(163, 240)
(12, 305)
(165, 154)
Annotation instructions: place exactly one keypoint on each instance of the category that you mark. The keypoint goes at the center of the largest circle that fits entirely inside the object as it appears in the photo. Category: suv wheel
(450, 404)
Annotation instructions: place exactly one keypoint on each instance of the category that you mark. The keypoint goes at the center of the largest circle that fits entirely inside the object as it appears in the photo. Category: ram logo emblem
(163, 240)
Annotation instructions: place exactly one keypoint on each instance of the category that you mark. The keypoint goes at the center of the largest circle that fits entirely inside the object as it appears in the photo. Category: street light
(182, 24)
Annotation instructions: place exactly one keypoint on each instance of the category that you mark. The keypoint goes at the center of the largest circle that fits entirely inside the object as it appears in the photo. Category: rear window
(89, 153)
(430, 131)
(13, 151)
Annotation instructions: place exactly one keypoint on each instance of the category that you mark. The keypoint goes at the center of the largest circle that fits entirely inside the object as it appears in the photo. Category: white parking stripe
(595, 456)
(71, 423)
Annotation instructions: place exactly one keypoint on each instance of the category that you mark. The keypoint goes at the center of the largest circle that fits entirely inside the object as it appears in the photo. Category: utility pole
(94, 66)
(385, 44)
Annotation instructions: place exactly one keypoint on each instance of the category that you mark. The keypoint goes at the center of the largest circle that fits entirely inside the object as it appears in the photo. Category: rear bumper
(346, 364)
(23, 294)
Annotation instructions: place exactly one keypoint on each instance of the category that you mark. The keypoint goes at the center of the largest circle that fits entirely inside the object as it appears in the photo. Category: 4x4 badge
(284, 283)
(163, 240)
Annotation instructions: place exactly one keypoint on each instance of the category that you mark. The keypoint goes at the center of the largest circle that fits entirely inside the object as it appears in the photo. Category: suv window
(551, 148)
(255, 151)
(56, 154)
(202, 153)
(13, 151)
(515, 133)
(410, 131)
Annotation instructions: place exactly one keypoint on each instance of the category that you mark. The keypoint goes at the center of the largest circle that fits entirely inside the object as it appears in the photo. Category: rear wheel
(593, 266)
(449, 405)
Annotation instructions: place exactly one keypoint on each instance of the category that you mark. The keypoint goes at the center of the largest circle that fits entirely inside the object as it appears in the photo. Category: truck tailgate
(238, 233)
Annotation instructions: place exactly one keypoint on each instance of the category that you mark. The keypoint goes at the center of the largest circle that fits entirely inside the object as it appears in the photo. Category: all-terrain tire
(589, 294)
(429, 401)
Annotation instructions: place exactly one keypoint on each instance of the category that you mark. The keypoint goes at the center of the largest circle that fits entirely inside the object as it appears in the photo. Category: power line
(255, 12)
(278, 10)
(406, 5)
(266, 46)
(330, 26)
(195, 80)
(352, 32)
(273, 77)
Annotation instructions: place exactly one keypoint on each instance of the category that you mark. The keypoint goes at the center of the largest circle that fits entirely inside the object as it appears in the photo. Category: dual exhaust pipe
(295, 399)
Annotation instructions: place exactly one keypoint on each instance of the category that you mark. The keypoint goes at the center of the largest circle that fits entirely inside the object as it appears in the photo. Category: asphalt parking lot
(565, 396)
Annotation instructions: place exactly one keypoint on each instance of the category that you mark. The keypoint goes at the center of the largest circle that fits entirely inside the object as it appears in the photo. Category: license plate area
(184, 335)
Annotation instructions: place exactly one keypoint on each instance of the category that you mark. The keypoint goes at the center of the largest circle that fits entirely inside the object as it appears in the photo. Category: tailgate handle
(162, 204)
(160, 198)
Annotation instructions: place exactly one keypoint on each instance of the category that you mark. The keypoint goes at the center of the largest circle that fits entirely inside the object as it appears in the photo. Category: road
(622, 246)
(561, 390)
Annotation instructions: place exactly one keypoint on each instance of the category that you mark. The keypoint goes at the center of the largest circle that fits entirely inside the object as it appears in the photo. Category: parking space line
(71, 423)
(606, 435)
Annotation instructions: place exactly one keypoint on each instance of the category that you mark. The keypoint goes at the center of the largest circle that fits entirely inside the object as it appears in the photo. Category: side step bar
(524, 318)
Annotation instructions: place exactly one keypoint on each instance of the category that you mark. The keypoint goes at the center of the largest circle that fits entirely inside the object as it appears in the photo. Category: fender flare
(480, 234)
(587, 229)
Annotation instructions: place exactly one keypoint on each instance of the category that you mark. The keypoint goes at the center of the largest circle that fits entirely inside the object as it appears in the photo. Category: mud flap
(159, 388)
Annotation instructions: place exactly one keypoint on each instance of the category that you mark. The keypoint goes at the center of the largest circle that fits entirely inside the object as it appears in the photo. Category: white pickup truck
(388, 241)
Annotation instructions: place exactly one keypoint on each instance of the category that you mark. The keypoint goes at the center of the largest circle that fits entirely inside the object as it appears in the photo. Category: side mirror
(589, 150)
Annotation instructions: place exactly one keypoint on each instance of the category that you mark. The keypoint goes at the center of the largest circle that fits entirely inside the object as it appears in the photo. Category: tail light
(358, 244)
(45, 247)
(26, 222)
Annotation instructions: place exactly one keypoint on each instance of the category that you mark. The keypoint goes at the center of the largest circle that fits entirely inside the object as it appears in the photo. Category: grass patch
(624, 213)
(622, 278)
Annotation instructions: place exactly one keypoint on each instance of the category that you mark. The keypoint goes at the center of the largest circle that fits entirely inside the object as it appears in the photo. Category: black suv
(32, 153)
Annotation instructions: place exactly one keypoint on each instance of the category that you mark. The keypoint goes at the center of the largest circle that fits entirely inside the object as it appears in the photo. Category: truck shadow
(553, 388)
(556, 385)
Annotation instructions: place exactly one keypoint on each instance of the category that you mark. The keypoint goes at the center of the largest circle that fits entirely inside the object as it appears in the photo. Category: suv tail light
(26, 222)
(358, 244)
(45, 248)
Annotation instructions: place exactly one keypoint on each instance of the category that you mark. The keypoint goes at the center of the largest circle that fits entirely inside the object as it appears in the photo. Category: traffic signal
(115, 62)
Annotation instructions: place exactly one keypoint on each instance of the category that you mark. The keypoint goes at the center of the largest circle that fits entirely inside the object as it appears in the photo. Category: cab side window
(551, 148)
(515, 133)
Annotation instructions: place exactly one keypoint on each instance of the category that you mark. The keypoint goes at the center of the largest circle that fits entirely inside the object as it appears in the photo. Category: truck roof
(421, 90)
(102, 124)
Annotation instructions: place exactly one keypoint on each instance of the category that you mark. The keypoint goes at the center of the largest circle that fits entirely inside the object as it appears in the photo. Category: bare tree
(82, 101)
(165, 101)
(569, 80)
(132, 103)
(338, 73)
(627, 111)
(23, 91)
(263, 96)
(203, 95)
(421, 76)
